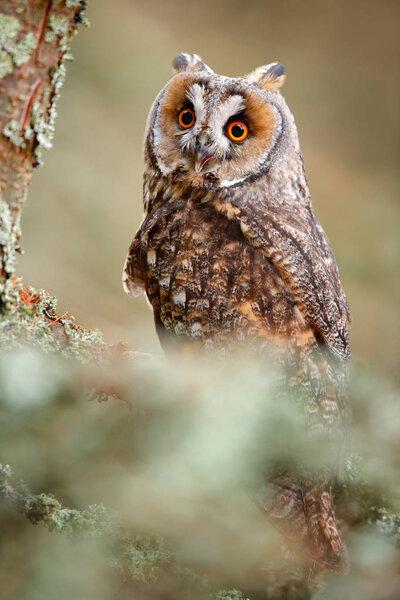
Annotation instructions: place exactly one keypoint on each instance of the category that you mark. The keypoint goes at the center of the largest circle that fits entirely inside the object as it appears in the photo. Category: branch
(141, 558)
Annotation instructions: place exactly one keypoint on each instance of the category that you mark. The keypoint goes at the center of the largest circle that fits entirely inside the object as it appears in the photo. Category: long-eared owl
(230, 254)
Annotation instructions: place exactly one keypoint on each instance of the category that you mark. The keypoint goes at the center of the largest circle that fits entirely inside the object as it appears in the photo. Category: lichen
(45, 507)
(43, 122)
(6, 64)
(33, 319)
(142, 557)
(80, 16)
(12, 131)
(23, 49)
(388, 523)
(13, 51)
(9, 29)
(138, 557)
(227, 595)
(59, 27)
(9, 236)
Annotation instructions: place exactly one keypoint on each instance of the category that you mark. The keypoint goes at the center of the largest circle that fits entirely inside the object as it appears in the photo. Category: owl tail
(305, 514)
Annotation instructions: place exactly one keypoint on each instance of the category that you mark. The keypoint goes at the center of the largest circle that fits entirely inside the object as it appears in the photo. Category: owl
(231, 256)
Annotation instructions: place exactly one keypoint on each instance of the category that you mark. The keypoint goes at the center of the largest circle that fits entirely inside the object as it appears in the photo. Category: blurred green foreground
(148, 494)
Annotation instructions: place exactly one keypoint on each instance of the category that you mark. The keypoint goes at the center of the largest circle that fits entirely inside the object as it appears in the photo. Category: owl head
(215, 131)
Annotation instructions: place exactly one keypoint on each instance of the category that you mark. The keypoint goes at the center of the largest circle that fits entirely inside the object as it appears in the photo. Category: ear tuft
(189, 62)
(269, 77)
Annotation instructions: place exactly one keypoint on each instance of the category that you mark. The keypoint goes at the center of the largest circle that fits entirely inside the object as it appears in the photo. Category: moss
(13, 51)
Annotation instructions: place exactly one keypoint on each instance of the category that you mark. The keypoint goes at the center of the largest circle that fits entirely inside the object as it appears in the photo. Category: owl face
(211, 130)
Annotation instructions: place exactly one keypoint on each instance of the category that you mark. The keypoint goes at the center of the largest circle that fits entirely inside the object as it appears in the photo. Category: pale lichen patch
(58, 27)
(9, 236)
(6, 64)
(13, 52)
(43, 122)
(12, 131)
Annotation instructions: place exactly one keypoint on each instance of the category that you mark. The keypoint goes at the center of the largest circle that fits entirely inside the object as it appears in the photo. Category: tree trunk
(34, 40)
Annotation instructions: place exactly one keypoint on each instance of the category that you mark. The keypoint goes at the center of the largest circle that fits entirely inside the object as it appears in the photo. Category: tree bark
(34, 43)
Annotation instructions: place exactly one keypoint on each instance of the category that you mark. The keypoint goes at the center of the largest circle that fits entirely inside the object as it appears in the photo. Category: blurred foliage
(155, 485)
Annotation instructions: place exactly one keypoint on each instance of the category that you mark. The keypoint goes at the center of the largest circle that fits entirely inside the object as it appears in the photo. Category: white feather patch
(195, 95)
(179, 298)
(227, 109)
(230, 107)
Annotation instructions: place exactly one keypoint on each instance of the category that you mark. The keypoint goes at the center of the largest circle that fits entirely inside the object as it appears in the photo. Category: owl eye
(237, 131)
(186, 118)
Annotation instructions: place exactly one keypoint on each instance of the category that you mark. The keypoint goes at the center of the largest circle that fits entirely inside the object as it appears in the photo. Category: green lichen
(227, 595)
(6, 64)
(58, 28)
(13, 132)
(33, 320)
(13, 51)
(23, 49)
(9, 236)
(43, 122)
(388, 523)
(46, 508)
(42, 125)
(139, 557)
(80, 16)
(142, 557)
(9, 29)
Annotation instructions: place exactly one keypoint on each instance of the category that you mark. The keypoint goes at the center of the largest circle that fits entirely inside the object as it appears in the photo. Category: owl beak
(202, 153)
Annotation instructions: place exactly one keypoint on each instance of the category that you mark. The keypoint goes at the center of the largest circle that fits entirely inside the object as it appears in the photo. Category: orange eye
(186, 118)
(237, 131)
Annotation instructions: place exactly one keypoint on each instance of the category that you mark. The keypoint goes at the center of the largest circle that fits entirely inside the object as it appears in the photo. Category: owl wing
(294, 241)
(134, 274)
(135, 271)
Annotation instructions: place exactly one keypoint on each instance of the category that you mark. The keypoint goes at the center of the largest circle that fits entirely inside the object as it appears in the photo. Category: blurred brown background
(343, 88)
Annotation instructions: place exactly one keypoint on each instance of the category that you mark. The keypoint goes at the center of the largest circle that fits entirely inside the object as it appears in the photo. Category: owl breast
(208, 285)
